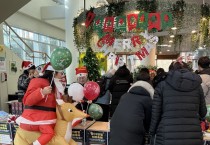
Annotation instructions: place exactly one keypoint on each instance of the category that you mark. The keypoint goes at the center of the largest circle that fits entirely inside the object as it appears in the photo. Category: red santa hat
(26, 65)
(81, 71)
(48, 66)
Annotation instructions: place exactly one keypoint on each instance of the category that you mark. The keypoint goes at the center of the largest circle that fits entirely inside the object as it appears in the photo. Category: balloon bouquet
(90, 91)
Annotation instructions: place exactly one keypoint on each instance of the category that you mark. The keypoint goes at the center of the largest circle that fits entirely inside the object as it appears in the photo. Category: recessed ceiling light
(174, 28)
(168, 50)
(171, 41)
(136, 12)
(160, 52)
(193, 31)
(172, 36)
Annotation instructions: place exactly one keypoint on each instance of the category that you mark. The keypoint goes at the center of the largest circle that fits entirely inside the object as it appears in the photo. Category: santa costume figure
(40, 104)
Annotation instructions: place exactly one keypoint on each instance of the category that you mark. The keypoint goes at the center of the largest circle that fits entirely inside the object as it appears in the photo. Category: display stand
(98, 133)
(7, 133)
(79, 131)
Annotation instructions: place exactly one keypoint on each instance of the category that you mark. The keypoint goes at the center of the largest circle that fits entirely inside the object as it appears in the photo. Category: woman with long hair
(40, 104)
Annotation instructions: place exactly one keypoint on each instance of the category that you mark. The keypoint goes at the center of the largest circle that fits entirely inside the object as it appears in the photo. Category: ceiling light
(83, 24)
(172, 36)
(100, 3)
(168, 50)
(193, 31)
(171, 41)
(174, 28)
(160, 52)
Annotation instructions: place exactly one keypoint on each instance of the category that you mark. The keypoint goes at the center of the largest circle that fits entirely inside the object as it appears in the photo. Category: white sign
(2, 65)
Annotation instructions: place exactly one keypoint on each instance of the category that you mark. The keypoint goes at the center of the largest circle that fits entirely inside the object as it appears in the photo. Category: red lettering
(142, 53)
(89, 19)
(135, 39)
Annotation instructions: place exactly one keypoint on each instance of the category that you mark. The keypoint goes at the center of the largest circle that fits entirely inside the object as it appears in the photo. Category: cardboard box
(98, 133)
(79, 131)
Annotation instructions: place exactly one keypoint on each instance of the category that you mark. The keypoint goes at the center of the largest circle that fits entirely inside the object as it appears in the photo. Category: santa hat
(48, 66)
(26, 65)
(81, 71)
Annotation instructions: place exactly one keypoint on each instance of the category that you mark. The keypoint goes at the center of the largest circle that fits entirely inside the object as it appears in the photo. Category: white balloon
(76, 91)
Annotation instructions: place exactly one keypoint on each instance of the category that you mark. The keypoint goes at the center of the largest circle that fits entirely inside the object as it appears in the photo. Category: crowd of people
(167, 106)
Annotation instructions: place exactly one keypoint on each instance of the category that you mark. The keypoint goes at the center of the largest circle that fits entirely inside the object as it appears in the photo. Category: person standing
(119, 85)
(40, 104)
(178, 107)
(131, 119)
(204, 72)
(26, 76)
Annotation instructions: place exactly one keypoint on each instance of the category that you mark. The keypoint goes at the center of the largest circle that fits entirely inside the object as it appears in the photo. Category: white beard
(59, 86)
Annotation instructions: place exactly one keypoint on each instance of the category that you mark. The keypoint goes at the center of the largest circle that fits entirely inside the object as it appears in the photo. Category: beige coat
(206, 87)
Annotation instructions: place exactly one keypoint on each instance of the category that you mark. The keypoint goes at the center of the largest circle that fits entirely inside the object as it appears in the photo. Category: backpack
(102, 84)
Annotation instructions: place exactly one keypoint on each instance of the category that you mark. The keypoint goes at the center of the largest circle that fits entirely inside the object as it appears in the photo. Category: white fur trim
(36, 143)
(81, 74)
(50, 68)
(144, 85)
(26, 121)
(60, 101)
(29, 66)
(68, 132)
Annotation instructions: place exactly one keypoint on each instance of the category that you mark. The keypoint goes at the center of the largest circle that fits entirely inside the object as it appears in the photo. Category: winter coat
(177, 107)
(132, 116)
(205, 76)
(23, 82)
(119, 85)
(39, 109)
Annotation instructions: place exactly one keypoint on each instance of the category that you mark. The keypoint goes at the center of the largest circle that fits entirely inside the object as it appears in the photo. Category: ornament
(142, 21)
(95, 111)
(89, 19)
(120, 24)
(109, 24)
(132, 21)
(91, 90)
(167, 20)
(154, 21)
(61, 58)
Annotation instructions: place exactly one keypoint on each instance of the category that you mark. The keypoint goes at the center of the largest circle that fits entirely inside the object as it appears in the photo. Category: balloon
(91, 90)
(208, 113)
(76, 91)
(61, 58)
(95, 111)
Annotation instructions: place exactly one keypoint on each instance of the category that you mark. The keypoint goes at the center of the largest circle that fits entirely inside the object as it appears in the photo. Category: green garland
(147, 6)
(115, 9)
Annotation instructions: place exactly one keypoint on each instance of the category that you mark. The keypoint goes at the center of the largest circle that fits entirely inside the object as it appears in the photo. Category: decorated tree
(92, 64)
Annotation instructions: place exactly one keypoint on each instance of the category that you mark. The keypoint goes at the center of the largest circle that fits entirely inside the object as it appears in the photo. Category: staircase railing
(31, 52)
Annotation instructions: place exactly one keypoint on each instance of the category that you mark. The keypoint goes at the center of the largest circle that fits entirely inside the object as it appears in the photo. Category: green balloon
(95, 111)
(61, 58)
(208, 113)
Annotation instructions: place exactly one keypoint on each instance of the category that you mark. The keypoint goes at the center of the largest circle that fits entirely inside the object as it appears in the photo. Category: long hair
(48, 74)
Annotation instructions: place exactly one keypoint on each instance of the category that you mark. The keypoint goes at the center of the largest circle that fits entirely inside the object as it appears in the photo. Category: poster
(2, 66)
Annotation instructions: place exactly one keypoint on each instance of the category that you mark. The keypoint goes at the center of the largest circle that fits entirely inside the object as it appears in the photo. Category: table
(98, 133)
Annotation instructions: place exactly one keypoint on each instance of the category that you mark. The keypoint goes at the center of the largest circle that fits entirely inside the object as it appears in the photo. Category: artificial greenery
(115, 9)
(147, 6)
(205, 10)
(137, 70)
(91, 62)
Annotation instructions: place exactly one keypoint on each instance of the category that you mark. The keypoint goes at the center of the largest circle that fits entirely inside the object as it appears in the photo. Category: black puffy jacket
(132, 116)
(23, 82)
(177, 108)
(119, 85)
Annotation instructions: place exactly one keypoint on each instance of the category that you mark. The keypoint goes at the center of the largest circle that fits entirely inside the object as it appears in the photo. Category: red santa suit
(40, 111)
